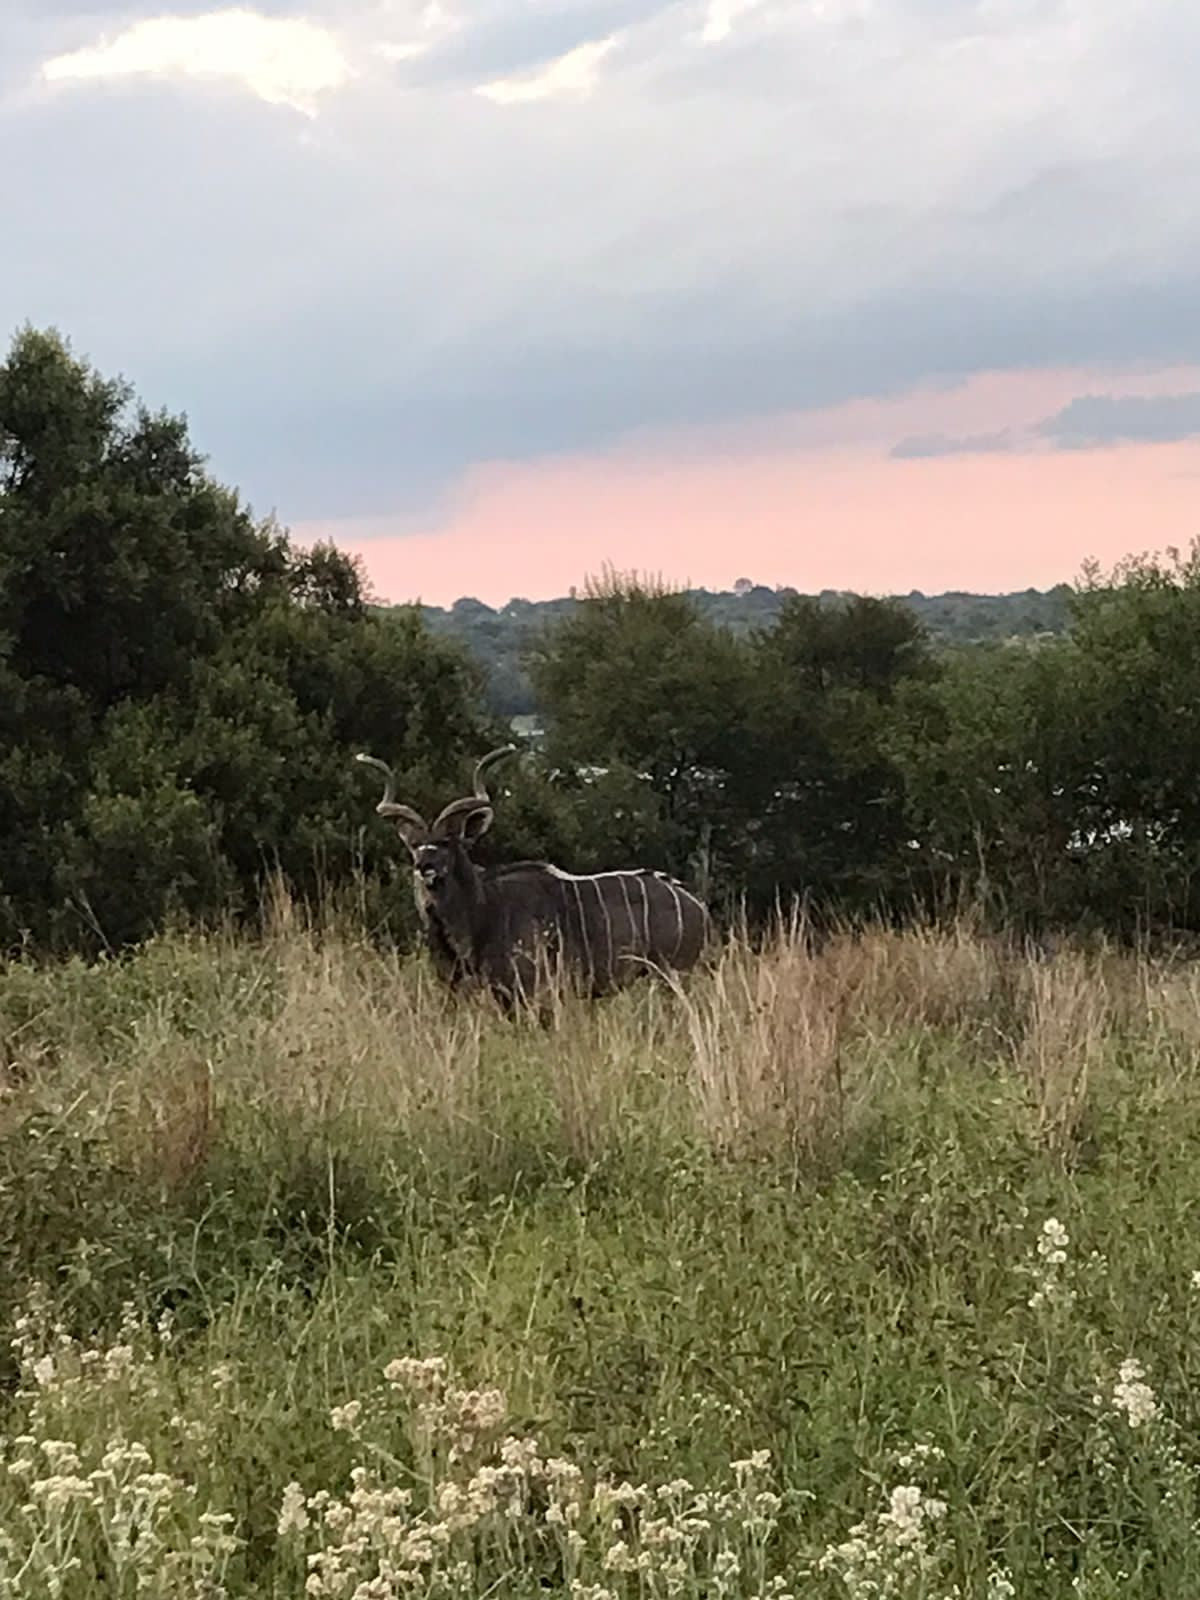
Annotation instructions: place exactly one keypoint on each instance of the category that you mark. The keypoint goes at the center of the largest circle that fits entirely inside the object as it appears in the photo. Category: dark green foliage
(499, 638)
(765, 751)
(637, 680)
(841, 756)
(1065, 779)
(182, 690)
(825, 796)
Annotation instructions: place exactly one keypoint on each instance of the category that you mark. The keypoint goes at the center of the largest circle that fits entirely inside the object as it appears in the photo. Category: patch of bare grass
(1064, 1042)
(765, 1033)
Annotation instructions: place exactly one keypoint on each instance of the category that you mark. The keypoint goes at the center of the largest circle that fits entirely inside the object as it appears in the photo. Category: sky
(871, 294)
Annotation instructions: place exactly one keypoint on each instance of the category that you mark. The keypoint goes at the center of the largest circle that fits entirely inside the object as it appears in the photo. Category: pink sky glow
(812, 500)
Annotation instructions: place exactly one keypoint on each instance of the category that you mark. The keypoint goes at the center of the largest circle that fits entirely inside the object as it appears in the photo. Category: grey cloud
(400, 445)
(112, 15)
(353, 312)
(922, 446)
(1099, 419)
(511, 41)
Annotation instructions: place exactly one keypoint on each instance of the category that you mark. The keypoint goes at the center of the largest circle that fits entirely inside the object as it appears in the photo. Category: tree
(122, 560)
(993, 770)
(765, 753)
(181, 689)
(1137, 630)
(1063, 777)
(826, 797)
(635, 681)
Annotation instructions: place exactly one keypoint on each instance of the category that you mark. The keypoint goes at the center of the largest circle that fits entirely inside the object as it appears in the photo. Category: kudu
(506, 928)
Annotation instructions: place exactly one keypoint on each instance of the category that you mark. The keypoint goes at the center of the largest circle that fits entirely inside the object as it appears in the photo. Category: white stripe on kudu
(628, 901)
(607, 923)
(678, 918)
(583, 932)
(586, 877)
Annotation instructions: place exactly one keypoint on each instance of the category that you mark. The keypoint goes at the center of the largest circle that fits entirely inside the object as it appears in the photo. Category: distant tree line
(498, 638)
(182, 691)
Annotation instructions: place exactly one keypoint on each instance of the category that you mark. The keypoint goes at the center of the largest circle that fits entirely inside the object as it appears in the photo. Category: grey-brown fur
(505, 928)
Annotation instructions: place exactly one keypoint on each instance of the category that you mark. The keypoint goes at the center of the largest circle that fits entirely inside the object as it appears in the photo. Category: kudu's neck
(461, 907)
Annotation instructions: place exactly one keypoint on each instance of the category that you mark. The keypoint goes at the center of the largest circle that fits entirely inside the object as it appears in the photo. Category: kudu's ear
(476, 823)
(467, 820)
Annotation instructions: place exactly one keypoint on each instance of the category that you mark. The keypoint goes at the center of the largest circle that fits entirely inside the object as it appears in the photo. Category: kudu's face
(442, 871)
(434, 863)
(440, 852)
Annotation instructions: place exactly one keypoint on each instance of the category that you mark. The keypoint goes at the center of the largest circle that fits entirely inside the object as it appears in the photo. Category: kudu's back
(603, 929)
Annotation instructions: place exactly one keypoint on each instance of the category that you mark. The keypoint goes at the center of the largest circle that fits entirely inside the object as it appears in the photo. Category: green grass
(793, 1208)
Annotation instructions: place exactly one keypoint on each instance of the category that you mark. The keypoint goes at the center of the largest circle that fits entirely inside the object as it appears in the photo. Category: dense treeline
(182, 691)
(498, 638)
(180, 688)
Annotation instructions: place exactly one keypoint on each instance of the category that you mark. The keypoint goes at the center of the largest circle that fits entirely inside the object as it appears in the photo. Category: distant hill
(496, 636)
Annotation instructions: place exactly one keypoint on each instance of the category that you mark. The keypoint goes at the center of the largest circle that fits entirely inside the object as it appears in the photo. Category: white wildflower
(293, 1518)
(726, 1566)
(1047, 1271)
(1133, 1396)
(61, 1454)
(118, 1362)
(920, 1452)
(908, 1510)
(1053, 1241)
(409, 1372)
(523, 1455)
(345, 1418)
(617, 1558)
(59, 1491)
(890, 1550)
(756, 1462)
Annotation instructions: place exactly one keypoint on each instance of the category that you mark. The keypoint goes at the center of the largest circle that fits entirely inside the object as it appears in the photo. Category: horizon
(729, 589)
(873, 295)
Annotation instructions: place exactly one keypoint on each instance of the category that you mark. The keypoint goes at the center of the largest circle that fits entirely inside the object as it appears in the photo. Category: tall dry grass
(777, 1049)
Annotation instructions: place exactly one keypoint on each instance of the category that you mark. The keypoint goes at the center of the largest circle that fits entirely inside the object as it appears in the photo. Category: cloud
(720, 17)
(285, 61)
(1085, 422)
(357, 310)
(500, 42)
(571, 76)
(918, 447)
(1100, 419)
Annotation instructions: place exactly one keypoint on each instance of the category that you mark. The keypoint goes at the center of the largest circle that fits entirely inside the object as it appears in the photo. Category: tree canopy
(181, 688)
(498, 638)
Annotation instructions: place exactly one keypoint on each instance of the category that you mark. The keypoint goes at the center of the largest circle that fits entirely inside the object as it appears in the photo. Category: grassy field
(866, 1274)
